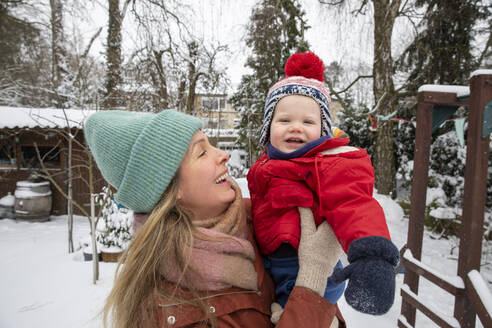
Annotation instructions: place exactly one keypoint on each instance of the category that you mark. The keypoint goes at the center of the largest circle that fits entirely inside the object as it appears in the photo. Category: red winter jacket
(334, 180)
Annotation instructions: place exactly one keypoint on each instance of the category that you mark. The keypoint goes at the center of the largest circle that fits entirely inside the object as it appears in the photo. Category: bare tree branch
(331, 3)
(337, 95)
(361, 8)
(355, 81)
(485, 51)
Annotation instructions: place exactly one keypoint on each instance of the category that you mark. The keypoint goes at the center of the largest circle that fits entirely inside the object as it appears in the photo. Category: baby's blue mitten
(371, 274)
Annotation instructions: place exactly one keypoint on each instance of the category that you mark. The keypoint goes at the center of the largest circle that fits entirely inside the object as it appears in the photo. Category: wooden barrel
(7, 206)
(33, 200)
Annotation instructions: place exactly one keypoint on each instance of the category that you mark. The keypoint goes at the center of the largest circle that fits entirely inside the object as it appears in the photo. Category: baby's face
(296, 121)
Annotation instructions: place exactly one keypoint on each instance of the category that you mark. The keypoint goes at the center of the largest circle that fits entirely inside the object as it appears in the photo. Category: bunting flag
(459, 126)
(387, 117)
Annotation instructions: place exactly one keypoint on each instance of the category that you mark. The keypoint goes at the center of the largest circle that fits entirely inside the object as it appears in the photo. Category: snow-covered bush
(355, 122)
(114, 228)
(447, 168)
(446, 184)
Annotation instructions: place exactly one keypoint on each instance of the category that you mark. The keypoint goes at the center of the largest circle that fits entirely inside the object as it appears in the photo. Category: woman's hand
(319, 251)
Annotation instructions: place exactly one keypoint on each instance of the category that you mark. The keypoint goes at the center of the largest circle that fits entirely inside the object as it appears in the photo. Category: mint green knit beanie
(139, 153)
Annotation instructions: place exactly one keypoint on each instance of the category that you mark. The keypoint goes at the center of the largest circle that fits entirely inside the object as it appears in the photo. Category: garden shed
(27, 134)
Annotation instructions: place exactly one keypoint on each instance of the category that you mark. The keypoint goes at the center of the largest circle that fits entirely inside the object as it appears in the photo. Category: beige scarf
(221, 255)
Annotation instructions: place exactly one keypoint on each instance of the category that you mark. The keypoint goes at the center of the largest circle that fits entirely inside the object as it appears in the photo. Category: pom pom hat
(139, 153)
(304, 76)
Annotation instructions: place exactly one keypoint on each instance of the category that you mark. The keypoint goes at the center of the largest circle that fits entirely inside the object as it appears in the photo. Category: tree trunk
(190, 100)
(113, 74)
(95, 257)
(192, 77)
(93, 222)
(57, 50)
(181, 95)
(161, 83)
(70, 194)
(385, 12)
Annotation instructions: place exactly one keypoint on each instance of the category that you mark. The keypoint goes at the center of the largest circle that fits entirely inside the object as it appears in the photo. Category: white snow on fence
(459, 90)
(482, 290)
(481, 72)
(455, 281)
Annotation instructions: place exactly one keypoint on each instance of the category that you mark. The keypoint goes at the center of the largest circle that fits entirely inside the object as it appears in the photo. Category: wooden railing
(436, 104)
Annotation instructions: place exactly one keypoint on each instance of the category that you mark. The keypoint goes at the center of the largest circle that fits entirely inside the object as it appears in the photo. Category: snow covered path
(41, 285)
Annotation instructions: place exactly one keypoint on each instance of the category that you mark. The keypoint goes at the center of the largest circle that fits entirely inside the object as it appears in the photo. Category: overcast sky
(332, 36)
(335, 35)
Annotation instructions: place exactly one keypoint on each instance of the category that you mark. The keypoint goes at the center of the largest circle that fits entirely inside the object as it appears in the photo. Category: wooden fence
(435, 105)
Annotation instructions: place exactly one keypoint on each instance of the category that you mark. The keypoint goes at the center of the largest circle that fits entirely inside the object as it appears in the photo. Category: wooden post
(418, 196)
(477, 153)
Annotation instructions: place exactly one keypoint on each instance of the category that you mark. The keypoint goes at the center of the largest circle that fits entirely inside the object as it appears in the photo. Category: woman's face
(202, 184)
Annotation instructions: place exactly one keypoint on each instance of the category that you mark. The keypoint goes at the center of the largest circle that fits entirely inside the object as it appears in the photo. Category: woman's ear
(179, 196)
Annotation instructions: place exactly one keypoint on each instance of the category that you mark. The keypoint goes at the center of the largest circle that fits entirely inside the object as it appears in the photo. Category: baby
(304, 165)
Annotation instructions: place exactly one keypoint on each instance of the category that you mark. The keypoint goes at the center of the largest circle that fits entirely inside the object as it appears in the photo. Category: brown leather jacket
(236, 307)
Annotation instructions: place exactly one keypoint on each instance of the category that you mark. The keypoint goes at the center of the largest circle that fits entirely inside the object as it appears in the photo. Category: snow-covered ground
(41, 285)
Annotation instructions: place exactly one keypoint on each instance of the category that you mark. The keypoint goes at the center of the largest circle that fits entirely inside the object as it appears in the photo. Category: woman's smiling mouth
(222, 178)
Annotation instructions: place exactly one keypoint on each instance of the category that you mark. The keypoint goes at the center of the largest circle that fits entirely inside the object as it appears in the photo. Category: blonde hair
(132, 301)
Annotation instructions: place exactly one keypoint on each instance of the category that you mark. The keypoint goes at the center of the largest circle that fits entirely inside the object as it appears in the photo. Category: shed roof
(20, 117)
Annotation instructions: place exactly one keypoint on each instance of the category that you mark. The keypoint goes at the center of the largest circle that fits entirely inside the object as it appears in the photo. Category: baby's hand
(277, 311)
(371, 274)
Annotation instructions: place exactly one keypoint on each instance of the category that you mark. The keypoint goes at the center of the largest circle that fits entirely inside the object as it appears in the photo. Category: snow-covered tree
(114, 230)
(445, 50)
(275, 31)
(113, 54)
(24, 57)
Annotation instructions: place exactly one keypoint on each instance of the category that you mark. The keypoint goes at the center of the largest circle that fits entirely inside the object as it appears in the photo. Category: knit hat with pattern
(139, 153)
(304, 76)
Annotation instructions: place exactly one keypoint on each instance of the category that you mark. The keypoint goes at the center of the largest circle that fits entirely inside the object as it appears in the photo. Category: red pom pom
(305, 64)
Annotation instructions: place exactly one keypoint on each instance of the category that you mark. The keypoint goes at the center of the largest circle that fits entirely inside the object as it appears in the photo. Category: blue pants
(284, 273)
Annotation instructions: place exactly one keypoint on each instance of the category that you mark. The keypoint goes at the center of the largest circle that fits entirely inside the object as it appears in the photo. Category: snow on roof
(481, 72)
(20, 117)
(460, 90)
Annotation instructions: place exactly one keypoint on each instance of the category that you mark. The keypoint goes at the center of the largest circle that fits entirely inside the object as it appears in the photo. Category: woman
(193, 261)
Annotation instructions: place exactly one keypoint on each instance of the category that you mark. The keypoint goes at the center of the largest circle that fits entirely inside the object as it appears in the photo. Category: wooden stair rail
(478, 293)
(431, 101)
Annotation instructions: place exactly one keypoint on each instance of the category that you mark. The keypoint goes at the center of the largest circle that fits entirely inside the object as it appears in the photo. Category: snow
(481, 72)
(26, 194)
(482, 290)
(28, 184)
(7, 201)
(451, 321)
(443, 213)
(461, 91)
(44, 286)
(27, 189)
(21, 117)
(434, 194)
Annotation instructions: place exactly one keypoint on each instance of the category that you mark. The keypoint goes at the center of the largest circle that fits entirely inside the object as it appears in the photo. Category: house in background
(22, 130)
(220, 122)
(219, 118)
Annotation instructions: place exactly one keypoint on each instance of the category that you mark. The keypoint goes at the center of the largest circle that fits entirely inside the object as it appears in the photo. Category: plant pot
(110, 256)
(88, 256)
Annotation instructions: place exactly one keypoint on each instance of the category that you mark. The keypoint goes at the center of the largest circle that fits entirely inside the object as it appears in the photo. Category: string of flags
(459, 124)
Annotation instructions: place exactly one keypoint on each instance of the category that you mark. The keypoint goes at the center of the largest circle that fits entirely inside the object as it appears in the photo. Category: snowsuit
(336, 182)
